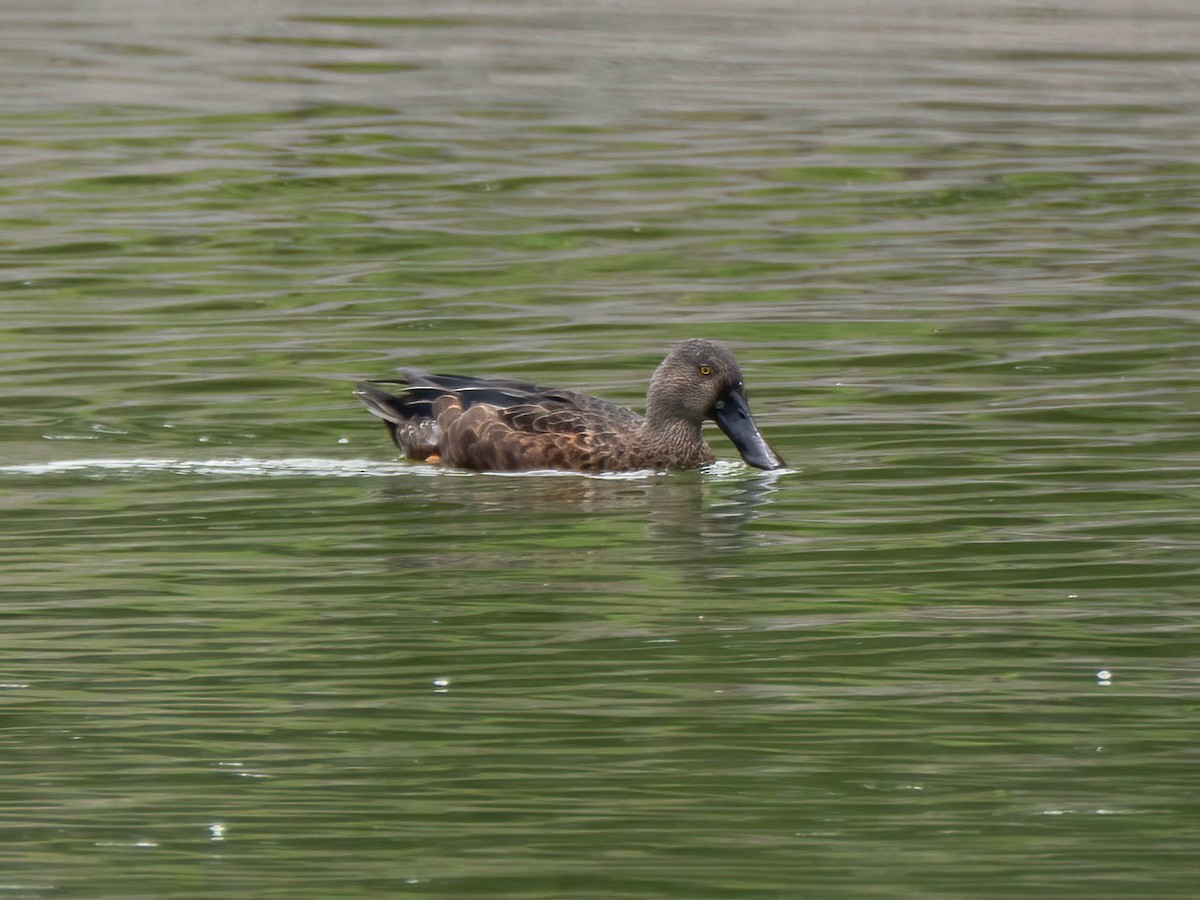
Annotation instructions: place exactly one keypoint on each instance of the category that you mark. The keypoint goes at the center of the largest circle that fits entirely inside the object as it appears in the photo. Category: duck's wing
(494, 423)
(423, 390)
(526, 406)
(499, 424)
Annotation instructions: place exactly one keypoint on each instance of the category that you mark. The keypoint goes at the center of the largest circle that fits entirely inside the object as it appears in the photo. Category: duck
(503, 425)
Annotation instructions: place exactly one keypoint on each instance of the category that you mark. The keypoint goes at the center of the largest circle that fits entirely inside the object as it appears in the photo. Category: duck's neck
(664, 417)
(678, 437)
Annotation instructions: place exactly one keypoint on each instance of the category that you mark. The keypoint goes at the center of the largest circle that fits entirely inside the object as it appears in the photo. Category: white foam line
(244, 465)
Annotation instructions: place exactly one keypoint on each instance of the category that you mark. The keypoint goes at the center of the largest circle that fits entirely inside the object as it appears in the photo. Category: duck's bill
(732, 414)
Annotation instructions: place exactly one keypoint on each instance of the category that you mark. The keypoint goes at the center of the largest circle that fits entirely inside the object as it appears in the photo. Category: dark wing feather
(455, 383)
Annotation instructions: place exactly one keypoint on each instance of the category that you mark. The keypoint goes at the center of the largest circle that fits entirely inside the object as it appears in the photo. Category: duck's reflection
(681, 517)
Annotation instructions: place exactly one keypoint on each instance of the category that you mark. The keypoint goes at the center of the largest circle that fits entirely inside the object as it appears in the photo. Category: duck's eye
(705, 370)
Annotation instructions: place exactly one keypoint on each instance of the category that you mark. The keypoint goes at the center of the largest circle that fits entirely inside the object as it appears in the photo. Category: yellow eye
(705, 370)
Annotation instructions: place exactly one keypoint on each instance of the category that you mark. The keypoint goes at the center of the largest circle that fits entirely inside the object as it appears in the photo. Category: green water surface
(952, 652)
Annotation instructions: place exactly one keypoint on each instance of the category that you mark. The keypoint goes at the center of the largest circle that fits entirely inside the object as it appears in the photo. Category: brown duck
(500, 425)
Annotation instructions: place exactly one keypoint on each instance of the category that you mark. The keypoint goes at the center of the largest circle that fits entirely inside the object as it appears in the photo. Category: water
(951, 653)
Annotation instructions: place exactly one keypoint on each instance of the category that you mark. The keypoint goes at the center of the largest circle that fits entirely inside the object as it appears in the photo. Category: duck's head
(701, 380)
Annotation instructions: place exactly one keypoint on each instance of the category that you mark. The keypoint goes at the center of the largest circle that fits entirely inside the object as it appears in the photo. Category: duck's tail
(409, 419)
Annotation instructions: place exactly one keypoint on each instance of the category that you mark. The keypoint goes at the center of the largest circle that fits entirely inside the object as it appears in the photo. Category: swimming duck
(501, 425)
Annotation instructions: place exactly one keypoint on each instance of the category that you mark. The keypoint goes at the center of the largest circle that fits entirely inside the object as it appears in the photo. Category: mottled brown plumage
(501, 425)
